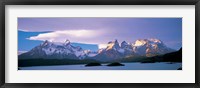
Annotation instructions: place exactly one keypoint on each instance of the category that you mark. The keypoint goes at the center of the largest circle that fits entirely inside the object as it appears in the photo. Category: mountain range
(114, 50)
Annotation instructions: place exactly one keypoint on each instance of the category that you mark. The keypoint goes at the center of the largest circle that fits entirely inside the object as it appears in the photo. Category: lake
(128, 66)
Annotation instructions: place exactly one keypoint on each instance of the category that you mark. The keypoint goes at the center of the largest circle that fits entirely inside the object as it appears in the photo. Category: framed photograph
(100, 43)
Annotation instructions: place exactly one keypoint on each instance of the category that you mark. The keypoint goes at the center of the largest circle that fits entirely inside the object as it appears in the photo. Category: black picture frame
(98, 2)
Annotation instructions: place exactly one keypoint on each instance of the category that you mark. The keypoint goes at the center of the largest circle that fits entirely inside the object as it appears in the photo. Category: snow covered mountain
(141, 47)
(114, 50)
(150, 47)
(52, 50)
(127, 49)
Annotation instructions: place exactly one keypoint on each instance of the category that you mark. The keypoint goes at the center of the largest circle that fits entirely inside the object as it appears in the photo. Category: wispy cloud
(81, 36)
(24, 30)
(20, 52)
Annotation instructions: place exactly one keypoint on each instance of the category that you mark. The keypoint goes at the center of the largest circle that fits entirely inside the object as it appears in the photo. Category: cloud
(80, 36)
(100, 46)
(21, 52)
(24, 30)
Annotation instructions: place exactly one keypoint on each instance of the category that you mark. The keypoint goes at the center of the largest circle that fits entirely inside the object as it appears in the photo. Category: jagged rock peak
(67, 42)
(46, 42)
(124, 43)
(140, 42)
(113, 45)
(155, 40)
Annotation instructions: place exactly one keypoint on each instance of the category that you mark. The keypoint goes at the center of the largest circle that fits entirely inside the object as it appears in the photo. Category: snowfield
(128, 66)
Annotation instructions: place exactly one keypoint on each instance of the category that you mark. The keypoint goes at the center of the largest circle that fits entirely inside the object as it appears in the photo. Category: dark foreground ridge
(115, 64)
(93, 64)
(179, 68)
(49, 62)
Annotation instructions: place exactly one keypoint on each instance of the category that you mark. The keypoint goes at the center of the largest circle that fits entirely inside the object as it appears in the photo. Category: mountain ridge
(114, 50)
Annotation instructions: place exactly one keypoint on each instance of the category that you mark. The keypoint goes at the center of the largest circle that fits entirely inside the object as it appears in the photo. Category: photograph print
(99, 43)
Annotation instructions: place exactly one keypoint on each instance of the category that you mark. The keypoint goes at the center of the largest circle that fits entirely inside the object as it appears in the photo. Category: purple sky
(102, 30)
